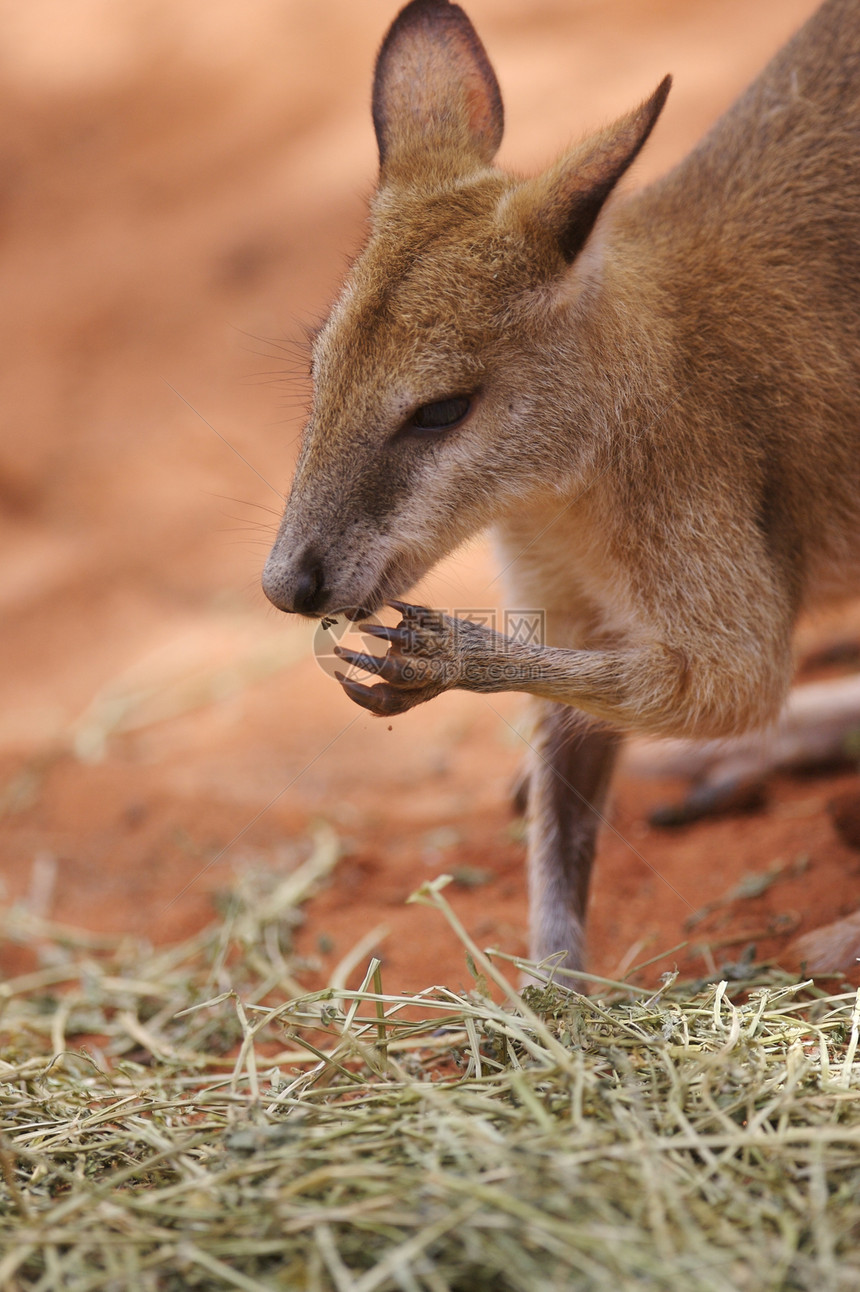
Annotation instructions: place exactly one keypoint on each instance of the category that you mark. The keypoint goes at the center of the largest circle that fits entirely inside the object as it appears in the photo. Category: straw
(187, 1118)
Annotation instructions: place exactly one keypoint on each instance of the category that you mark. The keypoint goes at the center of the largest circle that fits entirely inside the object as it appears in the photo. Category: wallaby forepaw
(422, 661)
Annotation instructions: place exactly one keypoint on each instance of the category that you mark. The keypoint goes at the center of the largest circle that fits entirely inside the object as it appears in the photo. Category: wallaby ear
(434, 88)
(568, 198)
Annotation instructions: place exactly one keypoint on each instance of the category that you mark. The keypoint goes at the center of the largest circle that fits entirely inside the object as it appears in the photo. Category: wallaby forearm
(655, 689)
(658, 688)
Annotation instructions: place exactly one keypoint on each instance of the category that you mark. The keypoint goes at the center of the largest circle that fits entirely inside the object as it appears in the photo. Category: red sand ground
(180, 185)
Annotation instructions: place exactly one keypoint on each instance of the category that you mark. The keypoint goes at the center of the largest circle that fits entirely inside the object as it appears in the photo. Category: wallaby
(653, 400)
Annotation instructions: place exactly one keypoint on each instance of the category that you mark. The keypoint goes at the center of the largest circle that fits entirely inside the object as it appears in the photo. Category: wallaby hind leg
(569, 773)
(818, 727)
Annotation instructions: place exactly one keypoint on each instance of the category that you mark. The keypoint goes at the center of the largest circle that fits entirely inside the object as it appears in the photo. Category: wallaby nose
(301, 589)
(310, 594)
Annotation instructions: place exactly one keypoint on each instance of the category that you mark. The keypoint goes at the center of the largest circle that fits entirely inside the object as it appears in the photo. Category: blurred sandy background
(180, 183)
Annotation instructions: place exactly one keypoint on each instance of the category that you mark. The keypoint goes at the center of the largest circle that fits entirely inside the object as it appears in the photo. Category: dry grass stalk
(181, 1118)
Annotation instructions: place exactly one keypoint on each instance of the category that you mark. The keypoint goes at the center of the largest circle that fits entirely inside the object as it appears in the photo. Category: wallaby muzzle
(297, 586)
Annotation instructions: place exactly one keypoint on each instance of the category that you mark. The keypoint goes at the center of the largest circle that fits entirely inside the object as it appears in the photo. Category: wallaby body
(655, 402)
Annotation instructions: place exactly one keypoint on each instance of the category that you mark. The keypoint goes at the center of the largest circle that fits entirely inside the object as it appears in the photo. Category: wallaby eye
(440, 416)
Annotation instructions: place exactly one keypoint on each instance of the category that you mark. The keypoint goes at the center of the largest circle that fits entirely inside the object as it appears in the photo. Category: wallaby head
(441, 354)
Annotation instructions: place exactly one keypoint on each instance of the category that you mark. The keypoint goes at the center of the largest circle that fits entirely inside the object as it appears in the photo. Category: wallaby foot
(568, 780)
(845, 814)
(830, 949)
(817, 728)
(727, 791)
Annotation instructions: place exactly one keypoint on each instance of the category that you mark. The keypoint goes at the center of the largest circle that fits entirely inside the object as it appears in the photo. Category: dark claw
(370, 663)
(363, 695)
(411, 612)
(390, 668)
(419, 616)
(381, 700)
(397, 636)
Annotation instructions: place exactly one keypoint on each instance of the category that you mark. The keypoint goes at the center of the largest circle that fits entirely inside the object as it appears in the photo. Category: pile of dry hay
(215, 1128)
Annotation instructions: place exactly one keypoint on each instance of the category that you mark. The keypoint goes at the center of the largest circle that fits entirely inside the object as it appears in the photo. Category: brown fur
(664, 428)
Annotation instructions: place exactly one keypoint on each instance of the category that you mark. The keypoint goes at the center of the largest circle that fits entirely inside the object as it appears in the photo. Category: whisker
(242, 502)
(258, 527)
